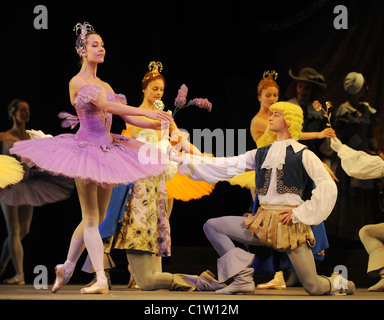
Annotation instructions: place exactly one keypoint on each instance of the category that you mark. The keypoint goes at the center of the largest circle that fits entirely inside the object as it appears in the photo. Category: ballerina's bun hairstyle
(293, 116)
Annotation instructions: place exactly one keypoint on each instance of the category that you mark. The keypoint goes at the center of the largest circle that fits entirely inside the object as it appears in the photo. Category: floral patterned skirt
(145, 226)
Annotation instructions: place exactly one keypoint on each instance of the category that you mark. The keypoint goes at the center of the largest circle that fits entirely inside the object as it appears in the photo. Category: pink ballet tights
(90, 236)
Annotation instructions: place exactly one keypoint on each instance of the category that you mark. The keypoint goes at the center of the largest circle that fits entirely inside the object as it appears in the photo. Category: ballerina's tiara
(268, 78)
(81, 42)
(272, 74)
(155, 67)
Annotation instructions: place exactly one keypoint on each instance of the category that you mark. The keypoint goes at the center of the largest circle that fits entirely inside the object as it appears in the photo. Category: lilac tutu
(93, 154)
(37, 188)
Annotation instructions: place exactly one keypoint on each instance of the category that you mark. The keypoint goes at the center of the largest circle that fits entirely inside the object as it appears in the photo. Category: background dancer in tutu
(35, 189)
(95, 158)
(283, 221)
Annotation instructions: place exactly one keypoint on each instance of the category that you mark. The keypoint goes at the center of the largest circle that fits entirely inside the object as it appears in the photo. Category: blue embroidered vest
(292, 178)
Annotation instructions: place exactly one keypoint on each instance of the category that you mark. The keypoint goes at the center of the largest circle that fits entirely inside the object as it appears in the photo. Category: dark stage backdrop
(219, 49)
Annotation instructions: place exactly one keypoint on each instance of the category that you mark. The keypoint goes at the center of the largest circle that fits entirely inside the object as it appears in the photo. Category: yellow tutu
(245, 180)
(11, 171)
(180, 187)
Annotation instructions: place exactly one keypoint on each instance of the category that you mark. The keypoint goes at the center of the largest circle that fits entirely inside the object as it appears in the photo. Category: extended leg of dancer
(92, 202)
(234, 262)
(141, 267)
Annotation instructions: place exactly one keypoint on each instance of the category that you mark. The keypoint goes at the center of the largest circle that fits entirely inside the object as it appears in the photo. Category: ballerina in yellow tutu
(11, 171)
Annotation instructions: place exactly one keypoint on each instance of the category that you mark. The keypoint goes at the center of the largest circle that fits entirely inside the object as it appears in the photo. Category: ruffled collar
(276, 154)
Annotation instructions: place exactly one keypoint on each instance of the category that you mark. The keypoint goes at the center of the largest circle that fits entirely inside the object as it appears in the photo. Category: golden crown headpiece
(272, 74)
(269, 78)
(155, 67)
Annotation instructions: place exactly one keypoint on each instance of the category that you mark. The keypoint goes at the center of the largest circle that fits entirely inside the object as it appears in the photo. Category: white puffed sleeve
(323, 199)
(359, 164)
(213, 170)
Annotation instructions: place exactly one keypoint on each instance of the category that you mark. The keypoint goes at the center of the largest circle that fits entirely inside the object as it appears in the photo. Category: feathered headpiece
(81, 40)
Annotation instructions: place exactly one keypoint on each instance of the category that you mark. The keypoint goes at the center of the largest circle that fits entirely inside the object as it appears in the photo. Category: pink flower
(181, 98)
(203, 103)
(181, 101)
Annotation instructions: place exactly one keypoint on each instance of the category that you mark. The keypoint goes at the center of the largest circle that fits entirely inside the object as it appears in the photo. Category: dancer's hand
(336, 144)
(176, 156)
(327, 133)
(287, 219)
(159, 115)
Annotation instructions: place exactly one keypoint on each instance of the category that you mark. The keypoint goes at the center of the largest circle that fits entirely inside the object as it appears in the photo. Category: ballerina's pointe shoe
(100, 287)
(277, 282)
(62, 278)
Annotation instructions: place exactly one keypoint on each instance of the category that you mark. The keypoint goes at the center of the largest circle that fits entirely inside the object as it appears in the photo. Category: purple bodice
(95, 123)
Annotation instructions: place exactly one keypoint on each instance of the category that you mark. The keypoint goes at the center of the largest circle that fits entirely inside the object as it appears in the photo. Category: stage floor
(121, 292)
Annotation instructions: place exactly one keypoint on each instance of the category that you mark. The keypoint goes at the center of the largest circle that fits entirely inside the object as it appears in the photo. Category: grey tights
(222, 231)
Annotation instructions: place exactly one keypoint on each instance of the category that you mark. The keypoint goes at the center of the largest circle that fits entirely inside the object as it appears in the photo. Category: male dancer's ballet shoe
(341, 286)
(277, 282)
(242, 283)
(16, 280)
(100, 287)
(207, 282)
(62, 278)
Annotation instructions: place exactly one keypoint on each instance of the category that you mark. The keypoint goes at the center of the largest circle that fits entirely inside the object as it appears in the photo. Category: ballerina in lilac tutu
(95, 158)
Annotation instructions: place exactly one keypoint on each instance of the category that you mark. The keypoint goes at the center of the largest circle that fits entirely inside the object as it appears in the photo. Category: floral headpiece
(269, 78)
(81, 41)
